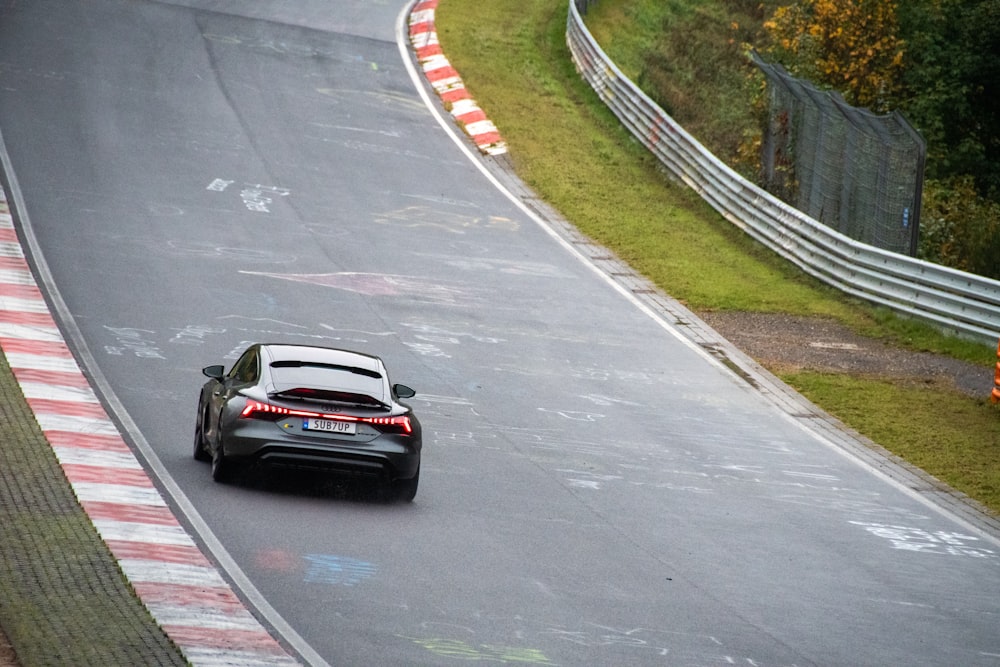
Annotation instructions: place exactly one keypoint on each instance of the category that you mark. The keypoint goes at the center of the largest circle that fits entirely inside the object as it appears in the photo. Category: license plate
(330, 426)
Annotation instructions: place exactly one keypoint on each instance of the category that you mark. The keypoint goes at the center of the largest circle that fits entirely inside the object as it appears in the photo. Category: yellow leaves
(852, 45)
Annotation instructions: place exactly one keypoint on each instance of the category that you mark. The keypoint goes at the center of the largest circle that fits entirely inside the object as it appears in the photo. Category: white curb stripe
(208, 618)
(16, 277)
(481, 127)
(444, 79)
(215, 658)
(20, 304)
(155, 572)
(58, 393)
(422, 16)
(28, 332)
(127, 531)
(38, 362)
(118, 493)
(83, 425)
(79, 456)
(10, 248)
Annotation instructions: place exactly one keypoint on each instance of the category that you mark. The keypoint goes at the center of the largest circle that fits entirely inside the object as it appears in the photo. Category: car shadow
(316, 484)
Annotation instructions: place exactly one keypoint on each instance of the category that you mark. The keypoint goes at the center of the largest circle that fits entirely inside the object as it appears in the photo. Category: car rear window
(327, 378)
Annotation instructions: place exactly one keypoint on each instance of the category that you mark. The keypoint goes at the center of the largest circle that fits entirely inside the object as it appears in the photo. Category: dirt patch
(789, 343)
(7, 656)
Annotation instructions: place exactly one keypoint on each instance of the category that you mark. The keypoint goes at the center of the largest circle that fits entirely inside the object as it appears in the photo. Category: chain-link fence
(855, 171)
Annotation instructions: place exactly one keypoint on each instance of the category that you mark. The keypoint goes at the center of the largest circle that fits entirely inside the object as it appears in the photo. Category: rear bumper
(390, 465)
(388, 456)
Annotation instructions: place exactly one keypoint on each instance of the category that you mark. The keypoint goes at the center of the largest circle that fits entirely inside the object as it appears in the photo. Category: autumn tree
(851, 46)
(936, 61)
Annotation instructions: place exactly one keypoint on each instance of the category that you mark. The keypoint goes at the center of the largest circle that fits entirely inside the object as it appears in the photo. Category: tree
(852, 46)
(936, 61)
(952, 86)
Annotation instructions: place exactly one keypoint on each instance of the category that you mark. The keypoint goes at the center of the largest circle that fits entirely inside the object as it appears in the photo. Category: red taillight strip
(253, 407)
(401, 420)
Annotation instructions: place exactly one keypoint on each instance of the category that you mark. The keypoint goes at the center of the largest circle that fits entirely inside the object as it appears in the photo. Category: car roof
(322, 355)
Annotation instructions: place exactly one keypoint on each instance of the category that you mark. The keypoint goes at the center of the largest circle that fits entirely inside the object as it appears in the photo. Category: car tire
(200, 453)
(405, 490)
(223, 469)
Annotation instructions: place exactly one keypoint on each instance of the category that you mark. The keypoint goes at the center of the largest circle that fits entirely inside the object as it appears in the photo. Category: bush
(959, 228)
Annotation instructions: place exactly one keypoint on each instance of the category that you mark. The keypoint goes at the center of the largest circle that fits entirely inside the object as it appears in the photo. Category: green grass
(961, 450)
(690, 56)
(63, 598)
(573, 152)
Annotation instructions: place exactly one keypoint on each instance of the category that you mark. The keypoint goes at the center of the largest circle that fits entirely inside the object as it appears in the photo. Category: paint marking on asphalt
(176, 582)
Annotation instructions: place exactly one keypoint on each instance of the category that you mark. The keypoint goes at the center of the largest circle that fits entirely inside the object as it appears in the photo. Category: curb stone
(178, 585)
(448, 84)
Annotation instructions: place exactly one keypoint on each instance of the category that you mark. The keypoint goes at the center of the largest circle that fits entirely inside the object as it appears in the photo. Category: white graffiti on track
(150, 344)
(598, 399)
(420, 217)
(478, 441)
(135, 341)
(219, 185)
(510, 267)
(414, 288)
(194, 334)
(427, 350)
(205, 250)
(431, 339)
(924, 541)
(255, 197)
(282, 47)
(585, 479)
(440, 199)
(436, 334)
(855, 504)
(603, 374)
(574, 415)
(382, 132)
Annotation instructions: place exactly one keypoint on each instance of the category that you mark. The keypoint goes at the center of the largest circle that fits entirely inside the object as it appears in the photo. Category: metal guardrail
(955, 301)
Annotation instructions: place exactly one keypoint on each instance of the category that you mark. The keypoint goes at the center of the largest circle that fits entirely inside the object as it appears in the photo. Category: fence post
(995, 395)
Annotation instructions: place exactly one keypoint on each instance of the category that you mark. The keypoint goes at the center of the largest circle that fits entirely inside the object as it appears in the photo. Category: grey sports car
(309, 406)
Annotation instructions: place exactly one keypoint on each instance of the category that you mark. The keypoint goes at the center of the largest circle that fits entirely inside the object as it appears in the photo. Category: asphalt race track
(597, 489)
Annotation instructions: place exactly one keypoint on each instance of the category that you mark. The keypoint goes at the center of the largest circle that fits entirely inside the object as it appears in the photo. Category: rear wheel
(223, 469)
(405, 490)
(200, 453)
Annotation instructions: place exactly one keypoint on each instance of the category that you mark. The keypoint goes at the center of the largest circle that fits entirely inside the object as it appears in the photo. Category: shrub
(959, 228)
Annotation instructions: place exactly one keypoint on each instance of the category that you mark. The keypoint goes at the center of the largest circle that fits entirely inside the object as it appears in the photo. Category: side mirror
(216, 372)
(403, 391)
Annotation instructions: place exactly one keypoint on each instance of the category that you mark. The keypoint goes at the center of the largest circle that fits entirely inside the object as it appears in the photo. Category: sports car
(307, 406)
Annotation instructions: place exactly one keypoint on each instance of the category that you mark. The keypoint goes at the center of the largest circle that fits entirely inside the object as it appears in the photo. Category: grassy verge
(572, 151)
(937, 430)
(63, 598)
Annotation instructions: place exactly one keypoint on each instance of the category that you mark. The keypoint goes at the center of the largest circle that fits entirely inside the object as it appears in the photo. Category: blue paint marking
(326, 569)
